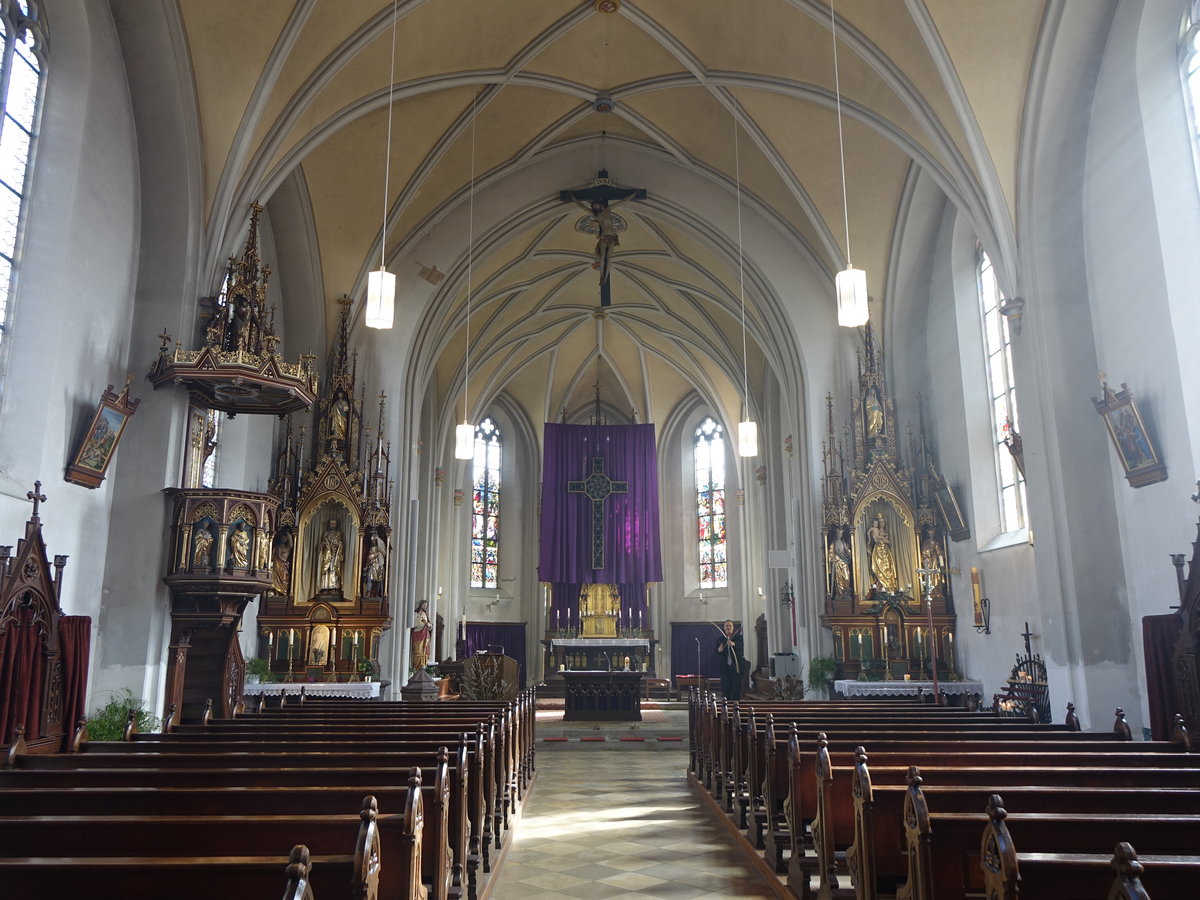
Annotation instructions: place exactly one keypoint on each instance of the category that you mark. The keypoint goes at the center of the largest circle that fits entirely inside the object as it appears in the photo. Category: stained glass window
(20, 101)
(1002, 397)
(709, 452)
(485, 506)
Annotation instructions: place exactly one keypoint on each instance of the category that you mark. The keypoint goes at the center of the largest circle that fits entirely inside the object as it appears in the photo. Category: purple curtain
(509, 635)
(632, 548)
(1159, 635)
(683, 648)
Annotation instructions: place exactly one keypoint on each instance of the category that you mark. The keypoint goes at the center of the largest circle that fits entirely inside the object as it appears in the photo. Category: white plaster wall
(73, 307)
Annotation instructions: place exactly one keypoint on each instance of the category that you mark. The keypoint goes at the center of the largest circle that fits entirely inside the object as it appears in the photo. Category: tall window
(20, 99)
(1190, 52)
(485, 506)
(710, 503)
(212, 444)
(1003, 397)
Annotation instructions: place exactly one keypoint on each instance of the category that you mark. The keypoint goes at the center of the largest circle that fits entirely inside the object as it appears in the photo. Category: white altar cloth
(644, 643)
(902, 688)
(361, 690)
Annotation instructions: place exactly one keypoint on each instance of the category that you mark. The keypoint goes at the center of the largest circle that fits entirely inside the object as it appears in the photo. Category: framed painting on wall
(95, 451)
(1134, 448)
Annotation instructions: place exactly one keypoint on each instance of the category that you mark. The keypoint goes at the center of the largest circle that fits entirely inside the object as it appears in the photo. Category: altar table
(361, 690)
(600, 696)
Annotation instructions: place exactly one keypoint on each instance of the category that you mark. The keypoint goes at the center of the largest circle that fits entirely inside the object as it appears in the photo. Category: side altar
(888, 518)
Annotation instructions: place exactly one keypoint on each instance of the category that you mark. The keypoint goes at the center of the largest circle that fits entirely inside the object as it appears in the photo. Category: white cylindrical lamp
(381, 299)
(851, 287)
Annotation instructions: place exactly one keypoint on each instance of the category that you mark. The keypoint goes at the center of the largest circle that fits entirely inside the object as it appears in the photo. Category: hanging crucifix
(597, 487)
(598, 201)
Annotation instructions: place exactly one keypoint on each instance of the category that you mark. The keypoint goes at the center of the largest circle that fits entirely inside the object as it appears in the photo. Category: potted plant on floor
(821, 670)
(258, 671)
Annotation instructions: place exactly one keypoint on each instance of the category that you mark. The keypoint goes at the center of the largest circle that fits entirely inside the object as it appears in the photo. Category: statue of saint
(374, 568)
(333, 553)
(421, 635)
(339, 417)
(281, 565)
(262, 549)
(874, 415)
(239, 547)
(883, 560)
(931, 558)
(839, 567)
(202, 547)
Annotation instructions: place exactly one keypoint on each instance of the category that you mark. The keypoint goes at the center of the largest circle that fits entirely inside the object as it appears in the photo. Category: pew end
(297, 870)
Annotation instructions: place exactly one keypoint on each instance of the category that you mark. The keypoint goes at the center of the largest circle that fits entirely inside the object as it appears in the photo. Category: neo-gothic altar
(888, 519)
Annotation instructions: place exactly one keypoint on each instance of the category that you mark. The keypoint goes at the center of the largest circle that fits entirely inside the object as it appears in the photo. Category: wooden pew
(355, 874)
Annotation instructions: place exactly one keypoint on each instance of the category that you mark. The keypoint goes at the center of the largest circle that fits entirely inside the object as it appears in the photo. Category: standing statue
(374, 568)
(262, 550)
(339, 417)
(931, 559)
(202, 547)
(281, 565)
(883, 560)
(239, 547)
(421, 635)
(838, 559)
(333, 554)
(874, 414)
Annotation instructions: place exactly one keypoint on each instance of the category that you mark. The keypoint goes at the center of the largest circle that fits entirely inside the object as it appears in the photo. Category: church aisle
(618, 823)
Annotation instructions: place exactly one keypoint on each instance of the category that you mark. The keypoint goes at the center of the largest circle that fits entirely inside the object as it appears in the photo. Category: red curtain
(1159, 635)
(22, 665)
(74, 641)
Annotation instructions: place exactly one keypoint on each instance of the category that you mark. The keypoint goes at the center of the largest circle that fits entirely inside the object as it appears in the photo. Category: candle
(885, 634)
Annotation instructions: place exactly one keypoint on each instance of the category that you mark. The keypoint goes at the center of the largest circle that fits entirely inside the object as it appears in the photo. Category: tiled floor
(620, 824)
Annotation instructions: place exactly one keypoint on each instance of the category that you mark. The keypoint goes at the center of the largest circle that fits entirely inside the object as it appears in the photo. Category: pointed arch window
(485, 506)
(21, 82)
(1002, 396)
(709, 454)
(1190, 56)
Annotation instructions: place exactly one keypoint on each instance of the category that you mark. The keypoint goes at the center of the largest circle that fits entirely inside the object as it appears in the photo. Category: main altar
(888, 519)
(600, 549)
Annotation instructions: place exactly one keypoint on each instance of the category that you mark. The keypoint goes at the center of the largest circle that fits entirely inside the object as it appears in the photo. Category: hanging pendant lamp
(747, 428)
(381, 284)
(850, 284)
(464, 434)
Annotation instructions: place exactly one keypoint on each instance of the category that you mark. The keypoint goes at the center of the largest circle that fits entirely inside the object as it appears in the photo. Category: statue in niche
(281, 565)
(339, 417)
(838, 559)
(333, 554)
(421, 635)
(262, 549)
(874, 414)
(883, 560)
(374, 568)
(239, 547)
(202, 547)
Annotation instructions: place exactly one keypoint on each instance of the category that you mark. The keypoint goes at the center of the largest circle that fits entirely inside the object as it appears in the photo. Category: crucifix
(597, 487)
(598, 201)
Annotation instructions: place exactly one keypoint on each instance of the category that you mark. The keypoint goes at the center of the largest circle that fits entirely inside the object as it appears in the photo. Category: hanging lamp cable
(837, 91)
(470, 262)
(737, 173)
(387, 162)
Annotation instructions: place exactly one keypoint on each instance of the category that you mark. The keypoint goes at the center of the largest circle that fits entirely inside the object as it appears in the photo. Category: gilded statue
(421, 634)
(202, 547)
(281, 565)
(838, 559)
(333, 553)
(239, 546)
(931, 559)
(339, 417)
(374, 568)
(262, 549)
(883, 559)
(874, 415)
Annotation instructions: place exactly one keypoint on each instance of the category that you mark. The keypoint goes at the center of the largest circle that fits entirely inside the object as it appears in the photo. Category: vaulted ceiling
(290, 88)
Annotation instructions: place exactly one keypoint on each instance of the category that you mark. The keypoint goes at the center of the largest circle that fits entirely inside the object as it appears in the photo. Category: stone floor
(620, 824)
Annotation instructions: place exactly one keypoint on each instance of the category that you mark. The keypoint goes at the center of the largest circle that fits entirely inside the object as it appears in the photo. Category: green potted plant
(368, 669)
(108, 722)
(821, 670)
(258, 671)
